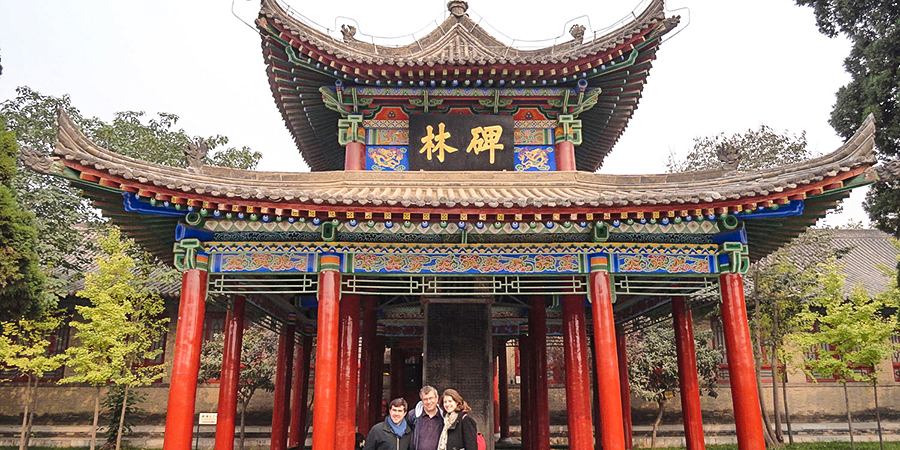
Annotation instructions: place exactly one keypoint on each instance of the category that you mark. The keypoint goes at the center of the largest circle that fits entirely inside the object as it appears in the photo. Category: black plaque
(461, 142)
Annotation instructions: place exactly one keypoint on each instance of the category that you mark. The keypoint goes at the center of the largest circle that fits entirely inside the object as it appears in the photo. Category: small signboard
(460, 142)
(208, 418)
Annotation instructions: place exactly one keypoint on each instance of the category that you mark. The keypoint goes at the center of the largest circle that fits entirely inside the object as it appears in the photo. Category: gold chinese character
(434, 143)
(484, 139)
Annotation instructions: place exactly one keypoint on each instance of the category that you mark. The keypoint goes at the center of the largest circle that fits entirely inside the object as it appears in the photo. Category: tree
(25, 350)
(758, 149)
(120, 325)
(653, 367)
(57, 206)
(844, 334)
(873, 63)
(780, 285)
(259, 349)
(21, 279)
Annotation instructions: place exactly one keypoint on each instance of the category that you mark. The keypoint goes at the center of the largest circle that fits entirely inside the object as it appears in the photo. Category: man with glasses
(428, 420)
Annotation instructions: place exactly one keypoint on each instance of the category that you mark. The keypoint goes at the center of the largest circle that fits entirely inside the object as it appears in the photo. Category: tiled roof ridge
(426, 51)
(477, 189)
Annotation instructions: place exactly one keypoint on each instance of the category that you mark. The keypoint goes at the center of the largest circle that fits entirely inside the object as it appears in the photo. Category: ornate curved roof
(300, 59)
(105, 176)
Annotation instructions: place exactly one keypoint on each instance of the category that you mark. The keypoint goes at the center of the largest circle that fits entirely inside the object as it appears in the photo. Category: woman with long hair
(460, 430)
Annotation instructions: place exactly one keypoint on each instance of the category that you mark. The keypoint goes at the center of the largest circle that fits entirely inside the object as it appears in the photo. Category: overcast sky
(728, 67)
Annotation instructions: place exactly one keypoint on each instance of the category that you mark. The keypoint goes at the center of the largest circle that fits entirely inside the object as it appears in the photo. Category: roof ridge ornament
(888, 170)
(729, 156)
(194, 152)
(457, 7)
(577, 32)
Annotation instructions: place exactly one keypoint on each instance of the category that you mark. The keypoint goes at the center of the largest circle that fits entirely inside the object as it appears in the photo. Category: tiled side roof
(474, 190)
(74, 281)
(868, 250)
(104, 176)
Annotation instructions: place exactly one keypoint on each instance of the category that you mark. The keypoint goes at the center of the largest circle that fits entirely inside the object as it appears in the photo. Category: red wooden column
(537, 328)
(325, 412)
(231, 372)
(526, 391)
(624, 386)
(578, 382)
(355, 157)
(503, 388)
(611, 423)
(300, 393)
(745, 397)
(595, 398)
(284, 364)
(377, 394)
(397, 358)
(496, 389)
(367, 350)
(348, 368)
(186, 365)
(687, 375)
(565, 156)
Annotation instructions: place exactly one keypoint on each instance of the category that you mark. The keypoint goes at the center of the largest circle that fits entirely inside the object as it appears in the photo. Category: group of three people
(428, 426)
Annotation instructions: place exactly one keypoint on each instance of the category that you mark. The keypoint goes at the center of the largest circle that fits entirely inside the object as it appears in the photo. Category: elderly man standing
(428, 420)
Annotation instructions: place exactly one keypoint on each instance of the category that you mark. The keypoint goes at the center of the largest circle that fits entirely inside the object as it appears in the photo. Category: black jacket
(463, 433)
(382, 437)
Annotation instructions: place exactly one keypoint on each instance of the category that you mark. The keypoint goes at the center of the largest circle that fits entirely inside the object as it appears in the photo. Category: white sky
(734, 66)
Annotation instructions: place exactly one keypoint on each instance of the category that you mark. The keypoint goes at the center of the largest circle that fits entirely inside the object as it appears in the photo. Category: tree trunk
(776, 403)
(96, 419)
(243, 412)
(122, 418)
(757, 357)
(787, 414)
(849, 418)
(659, 416)
(26, 429)
(878, 415)
(309, 417)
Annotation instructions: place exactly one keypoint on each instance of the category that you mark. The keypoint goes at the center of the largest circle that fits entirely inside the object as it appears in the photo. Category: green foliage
(259, 351)
(653, 363)
(759, 149)
(112, 410)
(21, 279)
(158, 141)
(847, 332)
(873, 27)
(122, 322)
(57, 206)
(25, 343)
(882, 203)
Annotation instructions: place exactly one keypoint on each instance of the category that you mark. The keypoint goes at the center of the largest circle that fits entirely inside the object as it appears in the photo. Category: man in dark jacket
(427, 420)
(392, 434)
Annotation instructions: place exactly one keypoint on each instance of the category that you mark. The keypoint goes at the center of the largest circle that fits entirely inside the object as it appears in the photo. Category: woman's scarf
(398, 429)
(449, 418)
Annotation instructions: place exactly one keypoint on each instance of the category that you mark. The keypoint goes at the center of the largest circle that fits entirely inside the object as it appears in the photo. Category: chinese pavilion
(453, 206)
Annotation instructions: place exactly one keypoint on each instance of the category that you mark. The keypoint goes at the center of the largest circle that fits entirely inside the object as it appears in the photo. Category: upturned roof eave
(355, 189)
(414, 54)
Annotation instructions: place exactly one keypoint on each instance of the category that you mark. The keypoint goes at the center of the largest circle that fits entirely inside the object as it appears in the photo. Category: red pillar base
(324, 415)
(186, 365)
(578, 393)
(742, 373)
(606, 361)
(228, 380)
